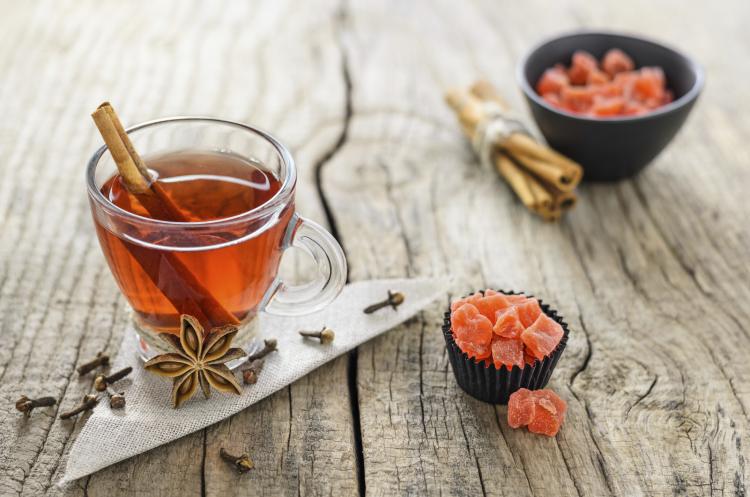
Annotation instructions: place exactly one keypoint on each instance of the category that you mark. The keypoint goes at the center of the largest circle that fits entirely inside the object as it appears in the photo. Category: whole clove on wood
(101, 382)
(241, 463)
(325, 335)
(394, 300)
(269, 345)
(100, 360)
(116, 399)
(26, 405)
(251, 373)
(89, 402)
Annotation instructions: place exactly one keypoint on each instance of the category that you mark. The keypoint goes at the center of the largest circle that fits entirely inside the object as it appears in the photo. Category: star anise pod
(198, 360)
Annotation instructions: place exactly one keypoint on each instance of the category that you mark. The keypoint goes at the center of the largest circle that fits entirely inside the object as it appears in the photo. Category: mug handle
(314, 240)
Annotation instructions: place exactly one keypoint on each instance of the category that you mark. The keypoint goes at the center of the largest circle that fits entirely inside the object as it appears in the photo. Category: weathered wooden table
(651, 273)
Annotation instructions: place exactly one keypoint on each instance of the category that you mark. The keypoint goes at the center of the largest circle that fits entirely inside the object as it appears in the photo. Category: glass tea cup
(221, 266)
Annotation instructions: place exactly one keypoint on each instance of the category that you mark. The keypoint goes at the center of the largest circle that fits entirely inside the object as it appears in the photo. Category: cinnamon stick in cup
(137, 179)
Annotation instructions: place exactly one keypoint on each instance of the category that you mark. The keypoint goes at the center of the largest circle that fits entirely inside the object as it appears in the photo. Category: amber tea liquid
(235, 265)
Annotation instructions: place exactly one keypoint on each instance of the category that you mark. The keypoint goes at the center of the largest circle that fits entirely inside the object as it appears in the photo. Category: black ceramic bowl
(611, 149)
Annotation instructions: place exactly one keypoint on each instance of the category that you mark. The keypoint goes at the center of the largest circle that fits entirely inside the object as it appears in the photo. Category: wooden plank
(651, 273)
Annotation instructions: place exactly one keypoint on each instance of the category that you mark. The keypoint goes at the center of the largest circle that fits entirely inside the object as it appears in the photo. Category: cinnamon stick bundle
(542, 178)
(194, 298)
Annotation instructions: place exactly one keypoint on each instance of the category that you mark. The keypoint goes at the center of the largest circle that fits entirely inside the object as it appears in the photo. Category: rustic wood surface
(652, 273)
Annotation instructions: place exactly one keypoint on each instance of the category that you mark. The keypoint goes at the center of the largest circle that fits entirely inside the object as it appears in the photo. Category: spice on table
(26, 405)
(269, 345)
(325, 335)
(250, 374)
(100, 360)
(394, 300)
(542, 178)
(89, 402)
(198, 359)
(101, 382)
(241, 463)
(116, 399)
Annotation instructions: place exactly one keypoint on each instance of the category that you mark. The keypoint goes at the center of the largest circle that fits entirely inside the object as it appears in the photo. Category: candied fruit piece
(544, 422)
(516, 299)
(507, 352)
(610, 89)
(616, 61)
(528, 358)
(597, 77)
(632, 108)
(577, 98)
(553, 80)
(528, 311)
(649, 83)
(608, 106)
(553, 99)
(549, 413)
(542, 336)
(508, 324)
(491, 306)
(470, 326)
(521, 408)
(559, 406)
(471, 299)
(581, 65)
(478, 351)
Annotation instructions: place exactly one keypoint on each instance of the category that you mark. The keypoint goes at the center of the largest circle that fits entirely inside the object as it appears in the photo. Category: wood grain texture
(652, 273)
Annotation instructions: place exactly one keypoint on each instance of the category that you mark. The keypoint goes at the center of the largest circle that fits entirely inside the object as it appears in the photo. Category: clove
(394, 300)
(101, 359)
(242, 463)
(250, 375)
(89, 402)
(116, 399)
(101, 382)
(325, 335)
(269, 346)
(26, 405)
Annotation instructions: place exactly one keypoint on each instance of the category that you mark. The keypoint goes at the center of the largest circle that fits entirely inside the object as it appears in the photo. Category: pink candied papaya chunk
(553, 99)
(528, 311)
(507, 352)
(492, 305)
(597, 77)
(478, 351)
(528, 358)
(521, 408)
(471, 299)
(604, 107)
(516, 299)
(549, 413)
(542, 337)
(633, 108)
(649, 83)
(472, 331)
(581, 65)
(508, 324)
(616, 61)
(610, 89)
(553, 80)
(577, 98)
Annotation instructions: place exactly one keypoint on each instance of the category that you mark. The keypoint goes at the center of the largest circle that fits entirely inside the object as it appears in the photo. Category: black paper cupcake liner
(487, 383)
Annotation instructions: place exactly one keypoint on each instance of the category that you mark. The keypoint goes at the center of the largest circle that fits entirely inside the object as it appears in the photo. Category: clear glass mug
(223, 270)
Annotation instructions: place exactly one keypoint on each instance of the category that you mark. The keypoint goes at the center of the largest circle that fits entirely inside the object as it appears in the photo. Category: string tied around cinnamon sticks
(542, 178)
